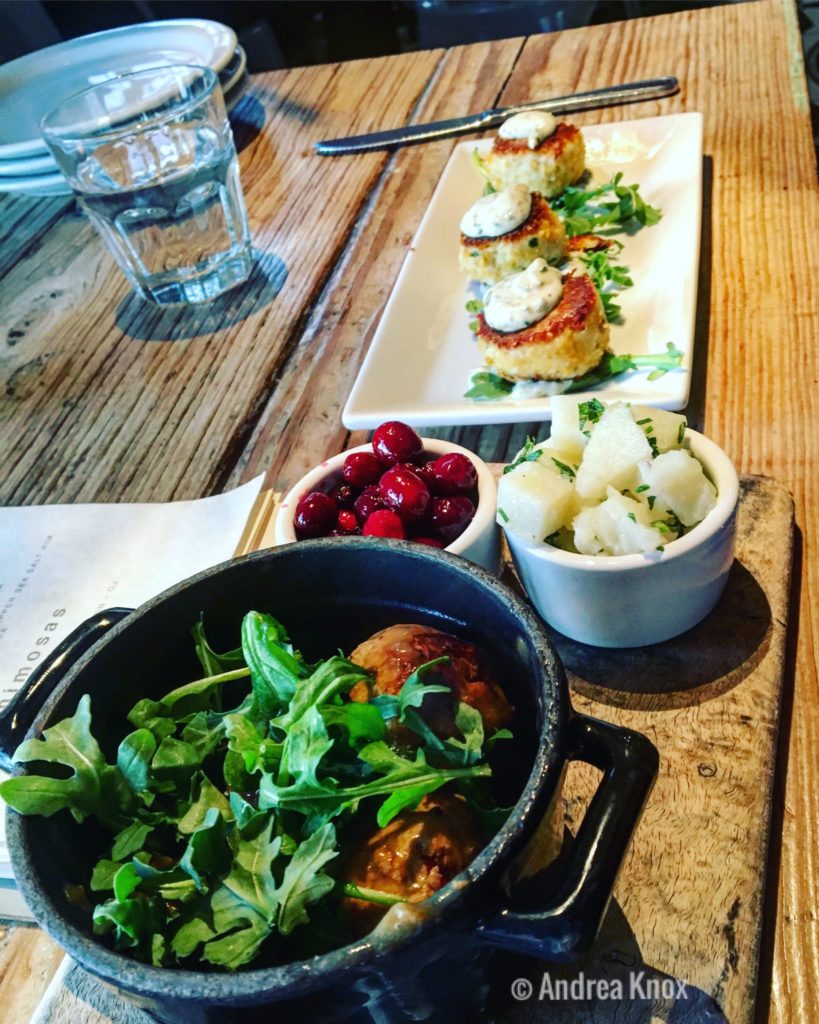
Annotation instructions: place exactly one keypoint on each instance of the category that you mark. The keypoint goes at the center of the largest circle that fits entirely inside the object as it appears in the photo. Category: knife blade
(630, 92)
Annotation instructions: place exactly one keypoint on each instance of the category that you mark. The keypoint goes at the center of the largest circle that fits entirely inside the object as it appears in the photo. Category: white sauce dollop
(532, 125)
(524, 298)
(498, 213)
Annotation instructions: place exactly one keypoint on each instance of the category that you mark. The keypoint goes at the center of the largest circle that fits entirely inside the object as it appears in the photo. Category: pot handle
(570, 924)
(19, 714)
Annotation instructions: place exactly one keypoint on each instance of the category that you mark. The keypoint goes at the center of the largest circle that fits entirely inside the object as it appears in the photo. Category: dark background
(290, 33)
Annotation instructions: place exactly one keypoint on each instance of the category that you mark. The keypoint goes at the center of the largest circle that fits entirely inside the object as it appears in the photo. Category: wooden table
(107, 399)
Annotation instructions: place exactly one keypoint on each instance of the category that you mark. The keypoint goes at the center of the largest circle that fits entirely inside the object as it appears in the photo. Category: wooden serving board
(687, 907)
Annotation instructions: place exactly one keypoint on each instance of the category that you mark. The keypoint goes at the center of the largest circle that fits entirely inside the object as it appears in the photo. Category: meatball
(414, 856)
(395, 653)
(569, 341)
(491, 259)
(558, 161)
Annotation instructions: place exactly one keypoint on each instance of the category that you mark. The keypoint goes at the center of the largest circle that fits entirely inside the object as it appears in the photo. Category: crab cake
(502, 232)
(533, 150)
(540, 325)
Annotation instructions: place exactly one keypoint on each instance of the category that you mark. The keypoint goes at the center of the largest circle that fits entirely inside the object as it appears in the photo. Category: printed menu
(59, 564)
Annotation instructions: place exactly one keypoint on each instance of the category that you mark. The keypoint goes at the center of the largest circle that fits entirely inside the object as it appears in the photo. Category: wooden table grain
(103, 398)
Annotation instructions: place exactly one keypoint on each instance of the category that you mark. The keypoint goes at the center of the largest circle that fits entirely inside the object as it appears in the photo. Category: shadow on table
(611, 984)
(145, 321)
(695, 409)
(707, 661)
(246, 120)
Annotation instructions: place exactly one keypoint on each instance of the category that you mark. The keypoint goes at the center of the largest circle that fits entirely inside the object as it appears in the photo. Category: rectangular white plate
(423, 353)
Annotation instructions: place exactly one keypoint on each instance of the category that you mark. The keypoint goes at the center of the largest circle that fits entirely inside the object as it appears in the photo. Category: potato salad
(613, 479)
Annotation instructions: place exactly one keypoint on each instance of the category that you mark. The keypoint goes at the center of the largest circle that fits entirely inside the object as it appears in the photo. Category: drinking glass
(150, 156)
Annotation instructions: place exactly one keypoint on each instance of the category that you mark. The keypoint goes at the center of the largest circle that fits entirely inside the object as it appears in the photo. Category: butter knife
(630, 92)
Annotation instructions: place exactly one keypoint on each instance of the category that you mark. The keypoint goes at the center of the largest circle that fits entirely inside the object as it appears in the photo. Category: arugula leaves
(608, 277)
(488, 387)
(93, 788)
(223, 819)
(612, 204)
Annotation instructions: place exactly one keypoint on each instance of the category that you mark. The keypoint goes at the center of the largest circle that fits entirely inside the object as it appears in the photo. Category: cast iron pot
(330, 594)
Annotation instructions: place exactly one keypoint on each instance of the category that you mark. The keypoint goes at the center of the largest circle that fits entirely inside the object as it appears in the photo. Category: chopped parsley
(641, 488)
(503, 515)
(589, 412)
(681, 432)
(641, 422)
(632, 517)
(528, 453)
(610, 205)
(564, 469)
(651, 498)
(661, 525)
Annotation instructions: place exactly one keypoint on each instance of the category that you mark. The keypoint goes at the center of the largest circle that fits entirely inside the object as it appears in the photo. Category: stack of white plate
(31, 85)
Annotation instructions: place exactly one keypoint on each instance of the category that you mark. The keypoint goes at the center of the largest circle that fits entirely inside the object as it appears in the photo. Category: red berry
(316, 514)
(453, 474)
(361, 468)
(426, 474)
(344, 495)
(451, 516)
(367, 502)
(431, 542)
(347, 521)
(403, 490)
(384, 523)
(396, 442)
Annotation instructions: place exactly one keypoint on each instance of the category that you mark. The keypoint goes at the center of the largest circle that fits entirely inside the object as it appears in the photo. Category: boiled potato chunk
(534, 500)
(566, 433)
(615, 448)
(667, 428)
(678, 481)
(618, 526)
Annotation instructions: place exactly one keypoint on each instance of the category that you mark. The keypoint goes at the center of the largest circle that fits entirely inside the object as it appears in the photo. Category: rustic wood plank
(301, 422)
(23, 221)
(158, 402)
(28, 959)
(688, 903)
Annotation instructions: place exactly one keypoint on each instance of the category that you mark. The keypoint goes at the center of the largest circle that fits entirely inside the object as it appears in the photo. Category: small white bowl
(635, 600)
(480, 541)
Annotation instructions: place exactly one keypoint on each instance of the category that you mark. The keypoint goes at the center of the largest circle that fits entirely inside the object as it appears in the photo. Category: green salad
(234, 800)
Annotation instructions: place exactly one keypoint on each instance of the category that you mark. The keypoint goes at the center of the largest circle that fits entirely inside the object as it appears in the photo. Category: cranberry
(431, 542)
(403, 490)
(316, 514)
(453, 474)
(427, 475)
(367, 502)
(347, 521)
(450, 516)
(396, 442)
(344, 495)
(361, 468)
(384, 523)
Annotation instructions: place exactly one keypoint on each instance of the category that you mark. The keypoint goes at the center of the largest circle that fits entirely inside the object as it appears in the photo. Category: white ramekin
(634, 600)
(480, 541)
